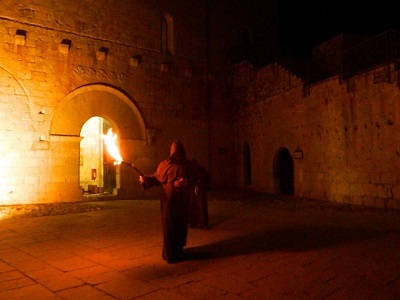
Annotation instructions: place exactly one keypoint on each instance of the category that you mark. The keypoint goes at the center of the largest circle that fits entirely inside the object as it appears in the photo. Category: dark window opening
(247, 164)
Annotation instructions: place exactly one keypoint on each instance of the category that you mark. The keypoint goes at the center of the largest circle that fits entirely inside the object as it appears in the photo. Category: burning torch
(110, 141)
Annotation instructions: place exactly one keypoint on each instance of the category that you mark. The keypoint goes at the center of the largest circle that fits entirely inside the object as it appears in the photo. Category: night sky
(306, 23)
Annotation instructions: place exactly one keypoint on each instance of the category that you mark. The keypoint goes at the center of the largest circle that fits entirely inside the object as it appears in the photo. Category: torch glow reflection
(111, 145)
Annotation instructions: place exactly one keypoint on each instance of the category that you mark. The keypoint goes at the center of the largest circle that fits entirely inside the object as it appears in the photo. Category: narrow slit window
(247, 164)
(167, 35)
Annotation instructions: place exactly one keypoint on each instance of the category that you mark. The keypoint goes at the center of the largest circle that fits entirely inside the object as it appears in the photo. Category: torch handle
(132, 166)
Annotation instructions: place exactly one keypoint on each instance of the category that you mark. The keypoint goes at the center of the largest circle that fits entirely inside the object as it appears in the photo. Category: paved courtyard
(258, 247)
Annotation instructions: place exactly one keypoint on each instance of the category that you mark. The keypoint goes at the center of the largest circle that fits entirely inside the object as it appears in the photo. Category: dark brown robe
(174, 201)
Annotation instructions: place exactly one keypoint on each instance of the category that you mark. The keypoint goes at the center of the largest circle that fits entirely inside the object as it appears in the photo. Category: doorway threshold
(99, 197)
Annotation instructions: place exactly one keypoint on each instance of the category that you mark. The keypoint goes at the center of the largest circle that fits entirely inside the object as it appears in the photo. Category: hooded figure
(176, 177)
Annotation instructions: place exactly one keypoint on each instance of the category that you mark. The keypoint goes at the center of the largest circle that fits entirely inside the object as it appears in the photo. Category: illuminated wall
(63, 62)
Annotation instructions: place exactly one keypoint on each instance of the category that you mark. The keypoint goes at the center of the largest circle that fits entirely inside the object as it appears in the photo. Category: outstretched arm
(148, 181)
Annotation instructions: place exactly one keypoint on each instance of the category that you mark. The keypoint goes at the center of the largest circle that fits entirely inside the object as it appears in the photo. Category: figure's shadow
(289, 239)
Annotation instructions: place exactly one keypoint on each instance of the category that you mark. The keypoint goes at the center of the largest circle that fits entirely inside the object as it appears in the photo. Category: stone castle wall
(348, 132)
(52, 49)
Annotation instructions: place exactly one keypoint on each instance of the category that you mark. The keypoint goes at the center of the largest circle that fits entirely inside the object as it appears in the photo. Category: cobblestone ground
(245, 197)
(258, 247)
(51, 209)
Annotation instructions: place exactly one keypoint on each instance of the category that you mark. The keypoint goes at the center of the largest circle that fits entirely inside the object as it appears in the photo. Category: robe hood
(177, 150)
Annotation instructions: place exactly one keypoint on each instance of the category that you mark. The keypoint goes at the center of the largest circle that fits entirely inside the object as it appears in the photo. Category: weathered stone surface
(53, 52)
(349, 139)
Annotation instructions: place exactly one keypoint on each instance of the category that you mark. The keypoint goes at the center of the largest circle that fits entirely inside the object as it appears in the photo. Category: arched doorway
(284, 171)
(97, 173)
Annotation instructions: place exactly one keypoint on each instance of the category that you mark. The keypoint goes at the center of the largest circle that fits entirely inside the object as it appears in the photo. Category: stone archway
(98, 100)
(71, 114)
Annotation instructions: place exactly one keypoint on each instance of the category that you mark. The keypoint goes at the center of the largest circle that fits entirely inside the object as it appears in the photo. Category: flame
(111, 145)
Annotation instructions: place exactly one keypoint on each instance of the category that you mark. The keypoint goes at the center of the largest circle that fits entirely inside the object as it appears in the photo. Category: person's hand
(141, 179)
(179, 182)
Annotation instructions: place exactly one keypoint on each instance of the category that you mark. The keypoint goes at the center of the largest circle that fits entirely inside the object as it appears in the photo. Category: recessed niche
(102, 53)
(65, 46)
(20, 37)
(164, 67)
(134, 61)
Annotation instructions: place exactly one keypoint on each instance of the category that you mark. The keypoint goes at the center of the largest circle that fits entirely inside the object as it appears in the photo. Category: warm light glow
(111, 145)
(4, 213)
(7, 190)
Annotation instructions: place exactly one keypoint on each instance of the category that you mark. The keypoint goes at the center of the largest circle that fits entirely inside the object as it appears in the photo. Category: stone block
(384, 191)
(42, 144)
(370, 190)
(396, 191)
(357, 189)
(357, 200)
(388, 177)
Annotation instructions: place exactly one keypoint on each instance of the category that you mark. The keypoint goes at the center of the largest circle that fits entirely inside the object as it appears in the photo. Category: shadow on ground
(288, 239)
